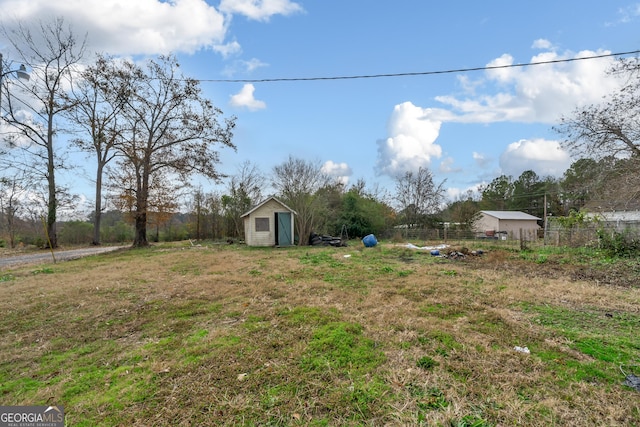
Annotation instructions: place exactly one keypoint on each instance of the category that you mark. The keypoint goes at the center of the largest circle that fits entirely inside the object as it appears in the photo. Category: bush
(621, 244)
(75, 232)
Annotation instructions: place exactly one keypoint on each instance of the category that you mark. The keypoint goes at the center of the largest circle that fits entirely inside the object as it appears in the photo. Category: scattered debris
(521, 349)
(242, 376)
(455, 255)
(426, 248)
(445, 251)
(318, 240)
(631, 380)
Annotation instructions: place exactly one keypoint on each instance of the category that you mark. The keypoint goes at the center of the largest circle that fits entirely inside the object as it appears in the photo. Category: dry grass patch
(229, 335)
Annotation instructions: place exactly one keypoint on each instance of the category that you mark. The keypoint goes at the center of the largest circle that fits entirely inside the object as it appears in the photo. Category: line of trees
(149, 129)
(332, 208)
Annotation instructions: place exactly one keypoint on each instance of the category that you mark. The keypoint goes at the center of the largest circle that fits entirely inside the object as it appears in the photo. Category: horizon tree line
(150, 129)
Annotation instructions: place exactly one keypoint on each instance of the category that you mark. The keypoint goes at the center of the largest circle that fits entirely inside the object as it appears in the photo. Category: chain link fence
(579, 236)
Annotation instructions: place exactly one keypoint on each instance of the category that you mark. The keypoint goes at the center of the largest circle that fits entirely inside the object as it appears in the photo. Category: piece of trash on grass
(521, 349)
(631, 380)
(426, 248)
(242, 376)
(347, 256)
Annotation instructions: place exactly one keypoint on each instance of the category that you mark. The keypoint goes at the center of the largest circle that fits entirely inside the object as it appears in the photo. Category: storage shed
(511, 224)
(269, 223)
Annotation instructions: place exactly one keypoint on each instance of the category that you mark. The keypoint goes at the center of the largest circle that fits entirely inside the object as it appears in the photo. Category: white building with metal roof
(508, 224)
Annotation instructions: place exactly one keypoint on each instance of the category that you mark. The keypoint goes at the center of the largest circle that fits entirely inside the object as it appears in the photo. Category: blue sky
(466, 127)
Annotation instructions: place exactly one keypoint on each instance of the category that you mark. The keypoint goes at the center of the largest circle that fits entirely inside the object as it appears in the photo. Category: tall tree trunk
(140, 238)
(98, 213)
(142, 197)
(52, 203)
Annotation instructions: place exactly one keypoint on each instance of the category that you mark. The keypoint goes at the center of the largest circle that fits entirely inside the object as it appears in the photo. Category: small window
(262, 224)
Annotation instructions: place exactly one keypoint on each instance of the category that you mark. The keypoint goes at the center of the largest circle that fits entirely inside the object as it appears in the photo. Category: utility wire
(423, 73)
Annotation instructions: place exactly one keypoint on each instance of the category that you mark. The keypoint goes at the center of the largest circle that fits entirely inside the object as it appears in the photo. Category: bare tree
(611, 128)
(243, 191)
(297, 181)
(170, 127)
(98, 107)
(52, 52)
(12, 193)
(463, 212)
(418, 197)
(162, 203)
(198, 211)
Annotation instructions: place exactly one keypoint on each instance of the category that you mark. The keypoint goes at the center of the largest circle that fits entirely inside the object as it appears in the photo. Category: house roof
(511, 215)
(265, 201)
(631, 216)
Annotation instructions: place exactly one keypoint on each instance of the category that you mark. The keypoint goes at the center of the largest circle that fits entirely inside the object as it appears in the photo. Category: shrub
(620, 244)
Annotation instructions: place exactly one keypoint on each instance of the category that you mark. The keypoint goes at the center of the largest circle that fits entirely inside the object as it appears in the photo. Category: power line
(422, 73)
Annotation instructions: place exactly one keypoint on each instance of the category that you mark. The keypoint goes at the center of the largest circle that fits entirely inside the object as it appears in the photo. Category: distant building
(620, 220)
(269, 223)
(507, 224)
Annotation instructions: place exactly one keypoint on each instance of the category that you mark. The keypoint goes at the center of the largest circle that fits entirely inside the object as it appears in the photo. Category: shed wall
(514, 226)
(262, 238)
(487, 223)
(511, 226)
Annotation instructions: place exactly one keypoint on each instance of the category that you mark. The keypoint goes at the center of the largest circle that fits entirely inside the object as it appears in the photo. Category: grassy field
(176, 335)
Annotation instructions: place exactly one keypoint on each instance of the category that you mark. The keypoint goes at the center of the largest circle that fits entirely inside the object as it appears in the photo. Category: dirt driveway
(61, 255)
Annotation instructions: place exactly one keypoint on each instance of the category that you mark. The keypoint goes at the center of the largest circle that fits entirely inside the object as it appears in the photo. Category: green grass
(307, 337)
(340, 347)
(610, 339)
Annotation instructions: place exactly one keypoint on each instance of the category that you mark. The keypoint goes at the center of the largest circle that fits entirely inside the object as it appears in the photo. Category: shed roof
(265, 201)
(511, 215)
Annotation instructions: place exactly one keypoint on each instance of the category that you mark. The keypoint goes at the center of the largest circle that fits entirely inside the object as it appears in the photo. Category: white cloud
(125, 27)
(542, 44)
(481, 160)
(241, 66)
(453, 194)
(245, 99)
(253, 64)
(260, 10)
(228, 49)
(446, 166)
(544, 157)
(147, 27)
(536, 93)
(340, 171)
(626, 14)
(412, 132)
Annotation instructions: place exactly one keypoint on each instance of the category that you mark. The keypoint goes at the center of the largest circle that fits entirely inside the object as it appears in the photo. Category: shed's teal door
(283, 221)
